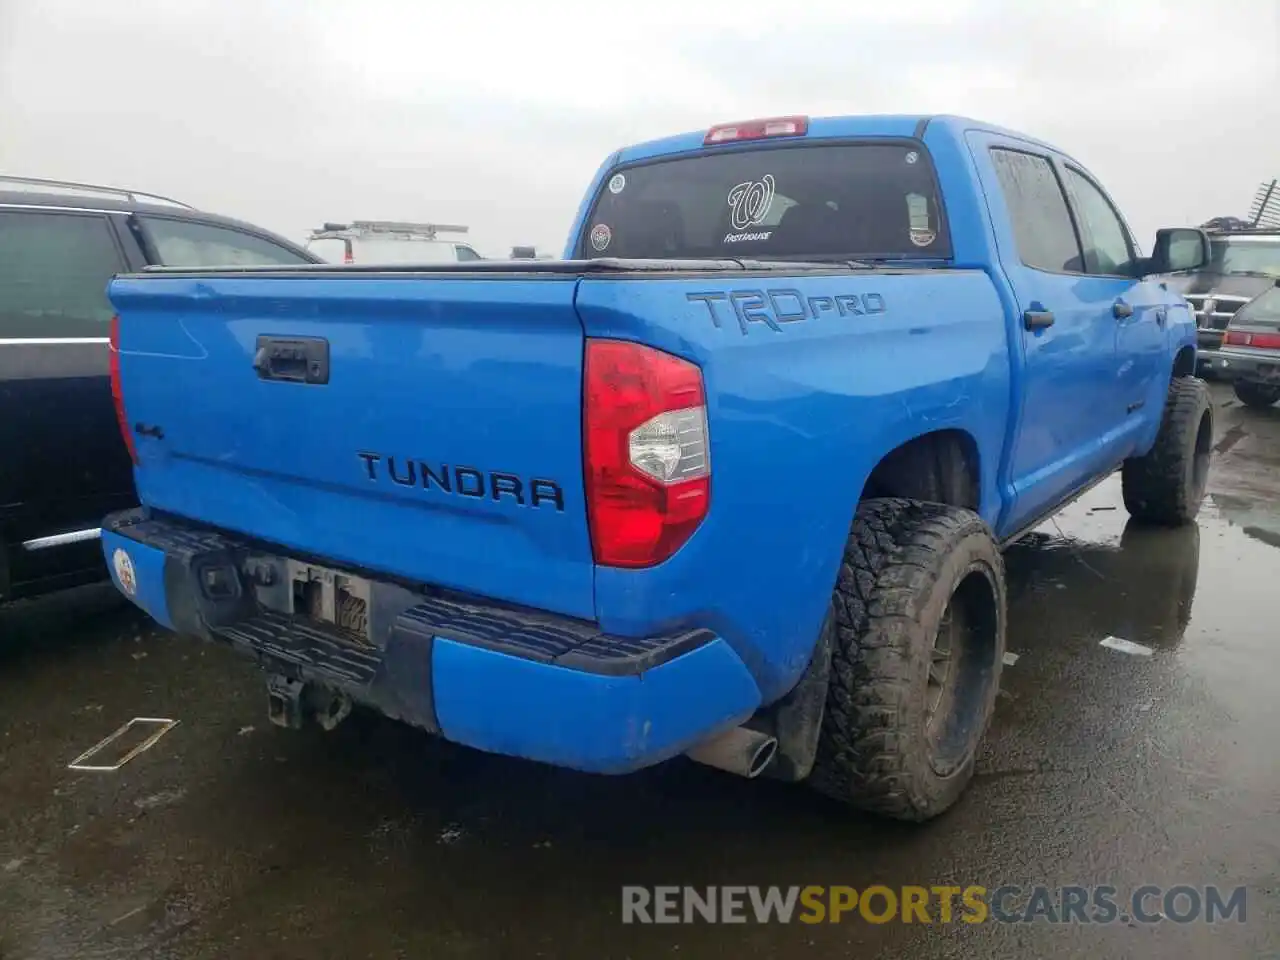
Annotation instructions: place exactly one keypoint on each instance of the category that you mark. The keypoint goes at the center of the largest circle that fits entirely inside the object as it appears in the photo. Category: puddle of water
(1201, 598)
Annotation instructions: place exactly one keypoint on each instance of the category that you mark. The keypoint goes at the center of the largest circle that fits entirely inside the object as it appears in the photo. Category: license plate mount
(331, 597)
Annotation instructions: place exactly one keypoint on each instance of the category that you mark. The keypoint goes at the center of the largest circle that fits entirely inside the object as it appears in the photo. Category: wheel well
(939, 467)
(1184, 364)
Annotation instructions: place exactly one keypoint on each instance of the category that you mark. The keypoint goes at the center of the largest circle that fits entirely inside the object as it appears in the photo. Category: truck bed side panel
(805, 396)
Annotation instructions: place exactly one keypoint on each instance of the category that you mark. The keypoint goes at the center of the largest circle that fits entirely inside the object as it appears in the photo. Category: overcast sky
(495, 113)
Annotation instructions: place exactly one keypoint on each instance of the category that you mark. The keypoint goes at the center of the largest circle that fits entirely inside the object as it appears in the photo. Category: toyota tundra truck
(730, 480)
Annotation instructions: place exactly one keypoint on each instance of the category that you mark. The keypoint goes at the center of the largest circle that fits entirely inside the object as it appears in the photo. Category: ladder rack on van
(1265, 212)
(385, 230)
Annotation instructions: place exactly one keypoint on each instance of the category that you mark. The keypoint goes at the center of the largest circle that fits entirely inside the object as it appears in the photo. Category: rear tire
(1167, 485)
(904, 716)
(1257, 395)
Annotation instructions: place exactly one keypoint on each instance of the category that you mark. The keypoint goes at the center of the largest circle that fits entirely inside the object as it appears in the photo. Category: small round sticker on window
(601, 236)
(912, 156)
(922, 238)
(617, 183)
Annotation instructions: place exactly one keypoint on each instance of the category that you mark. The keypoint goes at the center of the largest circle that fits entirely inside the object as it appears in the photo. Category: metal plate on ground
(158, 727)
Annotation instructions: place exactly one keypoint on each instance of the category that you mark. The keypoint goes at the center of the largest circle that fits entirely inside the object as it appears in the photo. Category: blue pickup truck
(730, 480)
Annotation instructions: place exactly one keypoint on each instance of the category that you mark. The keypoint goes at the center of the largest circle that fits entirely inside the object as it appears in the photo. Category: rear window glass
(54, 269)
(1265, 308)
(836, 202)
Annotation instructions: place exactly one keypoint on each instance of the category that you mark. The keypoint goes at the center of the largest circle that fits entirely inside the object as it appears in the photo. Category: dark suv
(63, 465)
(1243, 262)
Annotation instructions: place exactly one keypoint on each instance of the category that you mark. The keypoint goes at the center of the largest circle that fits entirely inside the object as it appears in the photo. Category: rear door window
(181, 243)
(1041, 221)
(54, 270)
(818, 202)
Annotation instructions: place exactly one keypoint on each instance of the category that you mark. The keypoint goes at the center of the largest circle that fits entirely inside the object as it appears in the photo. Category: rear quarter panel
(800, 412)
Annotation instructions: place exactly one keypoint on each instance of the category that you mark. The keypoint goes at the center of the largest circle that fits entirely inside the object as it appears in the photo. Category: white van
(385, 242)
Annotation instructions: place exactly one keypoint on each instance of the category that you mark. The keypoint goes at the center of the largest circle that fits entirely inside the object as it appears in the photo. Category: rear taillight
(757, 130)
(117, 395)
(648, 468)
(1262, 341)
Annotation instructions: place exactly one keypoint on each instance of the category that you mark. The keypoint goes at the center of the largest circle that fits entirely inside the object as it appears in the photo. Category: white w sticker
(750, 202)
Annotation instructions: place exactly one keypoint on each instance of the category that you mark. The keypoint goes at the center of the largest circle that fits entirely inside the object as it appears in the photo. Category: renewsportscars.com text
(1149, 903)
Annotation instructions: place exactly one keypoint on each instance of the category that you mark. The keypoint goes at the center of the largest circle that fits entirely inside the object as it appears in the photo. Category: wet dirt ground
(230, 838)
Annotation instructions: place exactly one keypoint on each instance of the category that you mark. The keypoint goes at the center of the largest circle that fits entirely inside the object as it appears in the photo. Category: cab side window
(180, 243)
(1041, 220)
(1108, 249)
(54, 270)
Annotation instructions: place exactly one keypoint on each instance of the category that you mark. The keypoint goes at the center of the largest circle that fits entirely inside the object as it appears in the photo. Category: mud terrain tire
(1167, 486)
(895, 740)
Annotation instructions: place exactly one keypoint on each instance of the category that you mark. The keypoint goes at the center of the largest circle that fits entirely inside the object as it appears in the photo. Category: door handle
(292, 359)
(1037, 319)
(1121, 310)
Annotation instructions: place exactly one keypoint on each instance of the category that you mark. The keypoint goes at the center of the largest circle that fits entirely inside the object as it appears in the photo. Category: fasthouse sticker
(617, 183)
(749, 205)
(749, 202)
(601, 236)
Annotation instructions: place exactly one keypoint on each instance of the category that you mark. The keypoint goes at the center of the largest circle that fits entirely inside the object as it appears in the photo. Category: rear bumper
(500, 679)
(1248, 365)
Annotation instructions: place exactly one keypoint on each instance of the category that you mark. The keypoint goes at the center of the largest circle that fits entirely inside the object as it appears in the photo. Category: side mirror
(1179, 249)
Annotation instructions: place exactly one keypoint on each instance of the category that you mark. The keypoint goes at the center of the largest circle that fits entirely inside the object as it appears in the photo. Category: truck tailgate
(425, 427)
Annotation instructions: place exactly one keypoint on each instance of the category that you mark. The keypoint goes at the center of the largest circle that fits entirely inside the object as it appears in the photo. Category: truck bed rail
(594, 267)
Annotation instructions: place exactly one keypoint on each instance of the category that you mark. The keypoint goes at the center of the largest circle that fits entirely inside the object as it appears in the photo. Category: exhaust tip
(740, 751)
(763, 757)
